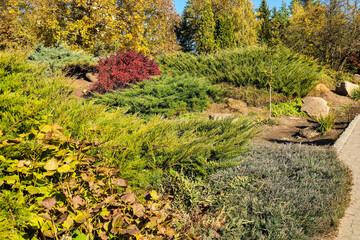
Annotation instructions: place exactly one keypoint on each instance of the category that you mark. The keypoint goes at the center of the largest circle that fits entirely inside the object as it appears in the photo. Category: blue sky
(180, 4)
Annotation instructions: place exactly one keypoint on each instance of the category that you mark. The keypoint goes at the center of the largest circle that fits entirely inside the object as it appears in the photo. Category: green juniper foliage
(293, 75)
(59, 57)
(166, 95)
(224, 33)
(142, 149)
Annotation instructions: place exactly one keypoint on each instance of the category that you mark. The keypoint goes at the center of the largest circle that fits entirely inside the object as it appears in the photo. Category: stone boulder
(346, 88)
(91, 77)
(315, 107)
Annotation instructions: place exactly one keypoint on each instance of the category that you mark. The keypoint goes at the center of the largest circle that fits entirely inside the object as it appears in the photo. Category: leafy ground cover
(51, 188)
(290, 108)
(289, 73)
(276, 192)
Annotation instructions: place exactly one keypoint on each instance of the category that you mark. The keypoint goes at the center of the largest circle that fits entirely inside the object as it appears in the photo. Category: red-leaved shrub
(121, 69)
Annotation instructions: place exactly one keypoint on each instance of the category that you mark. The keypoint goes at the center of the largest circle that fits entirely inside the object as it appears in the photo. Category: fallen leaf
(62, 218)
(138, 210)
(48, 202)
(119, 182)
(46, 216)
(128, 198)
(132, 230)
(77, 201)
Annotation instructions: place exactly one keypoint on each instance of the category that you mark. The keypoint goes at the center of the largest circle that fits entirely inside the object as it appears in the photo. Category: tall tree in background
(264, 17)
(206, 40)
(186, 31)
(159, 29)
(94, 26)
(328, 31)
(14, 32)
(280, 21)
(240, 12)
(224, 33)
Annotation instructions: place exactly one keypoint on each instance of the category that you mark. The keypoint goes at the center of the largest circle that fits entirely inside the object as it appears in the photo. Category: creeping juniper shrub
(122, 69)
(167, 95)
(294, 75)
(60, 58)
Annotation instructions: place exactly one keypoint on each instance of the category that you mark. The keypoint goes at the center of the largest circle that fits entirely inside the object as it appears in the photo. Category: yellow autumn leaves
(94, 26)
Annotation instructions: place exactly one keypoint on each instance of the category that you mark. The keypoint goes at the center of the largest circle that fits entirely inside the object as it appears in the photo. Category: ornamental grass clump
(122, 69)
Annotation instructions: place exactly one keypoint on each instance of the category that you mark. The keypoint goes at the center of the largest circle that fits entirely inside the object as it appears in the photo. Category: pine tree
(206, 40)
(186, 30)
(264, 17)
(224, 33)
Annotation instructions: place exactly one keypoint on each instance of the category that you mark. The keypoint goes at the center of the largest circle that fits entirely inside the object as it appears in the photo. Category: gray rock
(315, 107)
(220, 116)
(346, 88)
(91, 77)
(308, 132)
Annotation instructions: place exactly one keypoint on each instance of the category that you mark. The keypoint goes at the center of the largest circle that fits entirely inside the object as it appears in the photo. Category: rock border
(339, 144)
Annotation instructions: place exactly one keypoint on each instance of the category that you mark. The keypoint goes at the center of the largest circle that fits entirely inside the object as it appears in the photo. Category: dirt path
(348, 147)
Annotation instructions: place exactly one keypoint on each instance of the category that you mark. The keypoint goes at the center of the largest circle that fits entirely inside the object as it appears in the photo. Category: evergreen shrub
(60, 58)
(142, 149)
(122, 69)
(167, 95)
(292, 74)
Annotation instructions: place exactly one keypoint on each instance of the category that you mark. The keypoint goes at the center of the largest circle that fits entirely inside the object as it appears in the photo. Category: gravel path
(348, 147)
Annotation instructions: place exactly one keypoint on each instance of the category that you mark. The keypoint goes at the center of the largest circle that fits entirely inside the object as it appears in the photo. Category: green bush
(277, 192)
(293, 75)
(251, 95)
(141, 149)
(167, 95)
(59, 57)
(290, 108)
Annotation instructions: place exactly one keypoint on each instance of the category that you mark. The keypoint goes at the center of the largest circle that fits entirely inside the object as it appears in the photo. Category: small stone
(315, 107)
(346, 88)
(220, 116)
(308, 132)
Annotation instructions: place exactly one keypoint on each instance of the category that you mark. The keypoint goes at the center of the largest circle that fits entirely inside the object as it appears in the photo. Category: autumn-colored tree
(206, 40)
(329, 31)
(12, 31)
(98, 26)
(159, 28)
